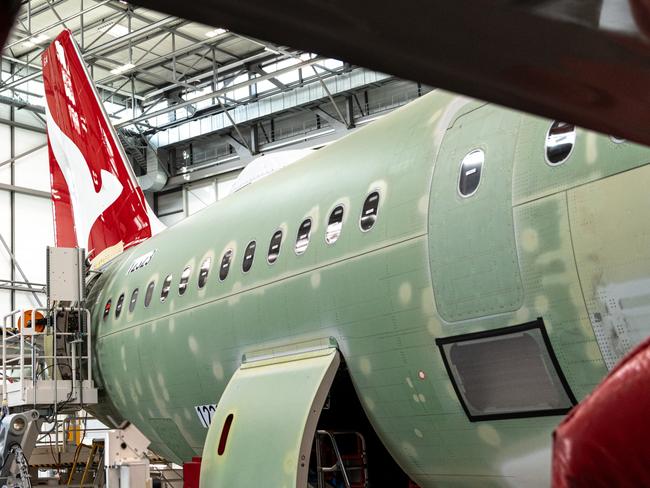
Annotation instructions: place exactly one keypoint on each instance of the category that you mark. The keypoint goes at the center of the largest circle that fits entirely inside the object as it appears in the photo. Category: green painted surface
(373, 291)
(260, 396)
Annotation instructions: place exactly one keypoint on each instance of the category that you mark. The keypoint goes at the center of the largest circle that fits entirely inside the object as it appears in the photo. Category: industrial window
(369, 211)
(302, 240)
(509, 372)
(225, 265)
(249, 255)
(203, 272)
(560, 140)
(470, 172)
(165, 288)
(334, 225)
(133, 301)
(149, 294)
(274, 247)
(185, 277)
(118, 306)
(107, 308)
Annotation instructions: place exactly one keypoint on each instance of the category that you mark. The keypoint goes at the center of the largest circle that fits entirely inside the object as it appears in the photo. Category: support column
(254, 140)
(349, 108)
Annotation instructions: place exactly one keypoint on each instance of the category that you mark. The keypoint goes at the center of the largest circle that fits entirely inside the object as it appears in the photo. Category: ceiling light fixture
(36, 40)
(215, 32)
(114, 30)
(121, 69)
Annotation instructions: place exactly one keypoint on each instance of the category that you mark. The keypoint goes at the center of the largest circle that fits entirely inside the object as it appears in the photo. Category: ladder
(351, 465)
(96, 449)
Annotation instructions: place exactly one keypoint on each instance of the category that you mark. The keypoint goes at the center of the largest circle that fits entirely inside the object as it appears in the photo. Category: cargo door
(264, 425)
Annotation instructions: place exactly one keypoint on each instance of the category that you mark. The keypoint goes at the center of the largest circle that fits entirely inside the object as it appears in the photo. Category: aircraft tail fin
(97, 202)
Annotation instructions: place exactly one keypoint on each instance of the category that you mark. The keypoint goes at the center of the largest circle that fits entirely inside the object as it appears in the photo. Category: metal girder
(564, 60)
(220, 92)
(26, 191)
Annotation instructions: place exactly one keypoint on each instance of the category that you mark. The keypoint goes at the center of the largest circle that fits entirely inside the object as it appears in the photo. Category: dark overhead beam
(569, 60)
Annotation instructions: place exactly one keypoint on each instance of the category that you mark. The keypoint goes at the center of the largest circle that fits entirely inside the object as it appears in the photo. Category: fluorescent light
(114, 30)
(121, 69)
(36, 40)
(215, 32)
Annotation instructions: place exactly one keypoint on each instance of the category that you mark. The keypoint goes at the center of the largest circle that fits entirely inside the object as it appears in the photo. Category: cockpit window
(249, 255)
(225, 265)
(185, 277)
(203, 272)
(274, 247)
(334, 225)
(164, 293)
(118, 306)
(560, 140)
(369, 211)
(470, 172)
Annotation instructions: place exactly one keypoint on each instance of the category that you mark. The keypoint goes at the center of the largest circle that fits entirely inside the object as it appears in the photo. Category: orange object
(39, 321)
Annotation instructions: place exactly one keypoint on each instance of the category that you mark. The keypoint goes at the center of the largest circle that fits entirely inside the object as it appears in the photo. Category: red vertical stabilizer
(98, 204)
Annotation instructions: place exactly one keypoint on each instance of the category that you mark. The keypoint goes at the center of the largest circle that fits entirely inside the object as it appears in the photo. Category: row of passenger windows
(332, 232)
(560, 140)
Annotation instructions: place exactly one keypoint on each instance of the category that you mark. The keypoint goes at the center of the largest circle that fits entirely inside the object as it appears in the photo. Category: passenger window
(225, 265)
(118, 306)
(149, 294)
(302, 240)
(134, 299)
(249, 255)
(203, 272)
(185, 277)
(470, 172)
(559, 142)
(369, 212)
(167, 284)
(274, 247)
(334, 225)
(107, 308)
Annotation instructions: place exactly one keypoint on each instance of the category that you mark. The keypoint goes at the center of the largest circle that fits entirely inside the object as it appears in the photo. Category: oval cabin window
(107, 308)
(334, 225)
(133, 301)
(369, 211)
(302, 239)
(204, 271)
(118, 306)
(249, 255)
(149, 294)
(274, 247)
(185, 277)
(164, 293)
(560, 140)
(470, 172)
(225, 265)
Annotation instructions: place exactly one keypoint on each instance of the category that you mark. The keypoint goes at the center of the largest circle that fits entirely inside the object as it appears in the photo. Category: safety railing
(47, 359)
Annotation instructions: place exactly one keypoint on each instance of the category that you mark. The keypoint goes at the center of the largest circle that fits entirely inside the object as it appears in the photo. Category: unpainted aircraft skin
(561, 243)
(534, 240)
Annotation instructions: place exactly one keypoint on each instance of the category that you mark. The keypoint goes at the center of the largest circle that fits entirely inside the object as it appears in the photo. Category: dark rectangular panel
(506, 373)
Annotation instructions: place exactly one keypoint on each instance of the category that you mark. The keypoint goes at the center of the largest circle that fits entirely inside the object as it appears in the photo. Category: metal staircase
(342, 462)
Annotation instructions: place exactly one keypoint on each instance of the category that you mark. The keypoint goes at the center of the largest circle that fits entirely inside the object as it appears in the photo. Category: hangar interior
(193, 106)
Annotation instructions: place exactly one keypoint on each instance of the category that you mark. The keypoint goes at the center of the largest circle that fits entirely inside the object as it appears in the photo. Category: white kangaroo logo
(87, 204)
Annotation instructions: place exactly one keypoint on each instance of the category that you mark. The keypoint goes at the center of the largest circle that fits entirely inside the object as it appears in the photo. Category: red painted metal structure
(605, 440)
(191, 473)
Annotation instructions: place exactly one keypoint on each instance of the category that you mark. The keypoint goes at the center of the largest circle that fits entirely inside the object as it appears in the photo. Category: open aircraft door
(264, 425)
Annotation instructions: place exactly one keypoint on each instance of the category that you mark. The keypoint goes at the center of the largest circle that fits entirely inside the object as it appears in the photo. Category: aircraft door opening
(264, 425)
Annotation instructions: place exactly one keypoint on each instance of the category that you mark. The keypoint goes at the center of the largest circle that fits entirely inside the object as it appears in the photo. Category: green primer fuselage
(533, 241)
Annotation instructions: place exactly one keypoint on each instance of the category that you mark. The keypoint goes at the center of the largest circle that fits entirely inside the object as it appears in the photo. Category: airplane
(450, 280)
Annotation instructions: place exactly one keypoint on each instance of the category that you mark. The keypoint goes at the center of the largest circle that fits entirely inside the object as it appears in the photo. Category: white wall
(33, 223)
